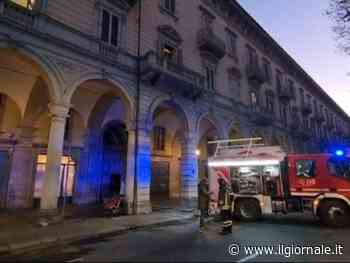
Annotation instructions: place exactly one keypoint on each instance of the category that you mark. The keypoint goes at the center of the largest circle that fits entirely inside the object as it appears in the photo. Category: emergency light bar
(238, 163)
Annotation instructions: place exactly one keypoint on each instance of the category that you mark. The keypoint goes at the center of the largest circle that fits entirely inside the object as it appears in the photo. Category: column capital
(59, 110)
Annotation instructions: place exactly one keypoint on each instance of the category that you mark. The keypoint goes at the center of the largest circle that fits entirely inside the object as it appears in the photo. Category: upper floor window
(279, 79)
(253, 98)
(232, 43)
(169, 42)
(110, 28)
(159, 138)
(252, 56)
(29, 4)
(270, 105)
(302, 98)
(169, 5)
(291, 87)
(267, 70)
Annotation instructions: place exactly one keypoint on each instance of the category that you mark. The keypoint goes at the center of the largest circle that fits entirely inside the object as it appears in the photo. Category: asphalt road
(183, 242)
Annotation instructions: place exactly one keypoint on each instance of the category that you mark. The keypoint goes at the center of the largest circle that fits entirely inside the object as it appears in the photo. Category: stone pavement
(18, 235)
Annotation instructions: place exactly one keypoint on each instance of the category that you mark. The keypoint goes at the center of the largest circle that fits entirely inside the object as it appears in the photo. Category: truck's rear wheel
(334, 213)
(248, 210)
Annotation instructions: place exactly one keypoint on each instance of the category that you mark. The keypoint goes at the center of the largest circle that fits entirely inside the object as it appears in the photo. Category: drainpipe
(137, 113)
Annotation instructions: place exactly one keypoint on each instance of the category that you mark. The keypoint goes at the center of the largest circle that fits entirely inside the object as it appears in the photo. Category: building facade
(103, 96)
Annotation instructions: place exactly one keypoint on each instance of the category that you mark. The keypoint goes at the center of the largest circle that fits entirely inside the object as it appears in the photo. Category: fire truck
(266, 180)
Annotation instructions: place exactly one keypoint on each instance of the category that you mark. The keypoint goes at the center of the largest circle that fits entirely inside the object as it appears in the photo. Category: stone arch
(215, 121)
(117, 88)
(51, 74)
(179, 109)
(97, 76)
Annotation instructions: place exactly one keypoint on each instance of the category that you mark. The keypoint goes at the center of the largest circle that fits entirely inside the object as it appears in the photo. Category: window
(252, 56)
(232, 43)
(279, 80)
(267, 70)
(169, 5)
(270, 103)
(306, 168)
(291, 87)
(306, 123)
(110, 28)
(302, 98)
(210, 77)
(169, 52)
(25, 3)
(253, 98)
(159, 138)
(339, 167)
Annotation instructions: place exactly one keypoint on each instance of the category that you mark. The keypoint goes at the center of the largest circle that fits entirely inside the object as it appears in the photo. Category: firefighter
(203, 200)
(225, 206)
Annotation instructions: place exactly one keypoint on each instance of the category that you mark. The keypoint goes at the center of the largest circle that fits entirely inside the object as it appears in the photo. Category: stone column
(20, 186)
(130, 171)
(189, 170)
(143, 179)
(59, 114)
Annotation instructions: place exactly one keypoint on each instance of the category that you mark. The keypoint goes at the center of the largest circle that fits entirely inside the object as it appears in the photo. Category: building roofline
(265, 34)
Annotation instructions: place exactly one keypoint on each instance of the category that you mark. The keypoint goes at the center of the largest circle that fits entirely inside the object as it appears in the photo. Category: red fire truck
(266, 180)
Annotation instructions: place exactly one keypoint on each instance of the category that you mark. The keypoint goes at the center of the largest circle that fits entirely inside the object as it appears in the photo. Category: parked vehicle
(267, 180)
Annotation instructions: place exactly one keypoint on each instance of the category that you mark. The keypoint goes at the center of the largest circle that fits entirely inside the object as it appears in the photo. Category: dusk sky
(304, 31)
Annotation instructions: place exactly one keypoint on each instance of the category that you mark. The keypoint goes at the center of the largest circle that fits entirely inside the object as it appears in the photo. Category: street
(183, 242)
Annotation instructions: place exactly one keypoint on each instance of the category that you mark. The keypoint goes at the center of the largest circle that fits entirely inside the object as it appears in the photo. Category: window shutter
(115, 31)
(105, 26)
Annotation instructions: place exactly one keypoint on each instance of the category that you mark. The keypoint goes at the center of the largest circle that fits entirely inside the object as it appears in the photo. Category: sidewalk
(19, 237)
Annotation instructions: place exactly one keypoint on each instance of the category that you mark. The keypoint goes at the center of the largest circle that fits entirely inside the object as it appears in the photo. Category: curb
(23, 247)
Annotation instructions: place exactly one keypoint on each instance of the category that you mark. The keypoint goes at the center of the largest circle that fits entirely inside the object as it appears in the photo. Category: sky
(305, 32)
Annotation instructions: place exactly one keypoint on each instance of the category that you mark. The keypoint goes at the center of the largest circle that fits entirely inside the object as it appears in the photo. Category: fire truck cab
(266, 180)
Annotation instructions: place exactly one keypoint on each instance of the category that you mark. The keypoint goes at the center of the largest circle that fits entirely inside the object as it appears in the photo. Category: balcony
(18, 13)
(261, 116)
(254, 74)
(170, 76)
(209, 43)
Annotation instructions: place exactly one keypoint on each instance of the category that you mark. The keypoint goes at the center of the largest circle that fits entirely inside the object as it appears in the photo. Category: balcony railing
(107, 50)
(209, 42)
(165, 73)
(261, 116)
(255, 74)
(18, 13)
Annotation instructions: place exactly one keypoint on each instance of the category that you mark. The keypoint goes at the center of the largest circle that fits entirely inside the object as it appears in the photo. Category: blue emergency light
(339, 153)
